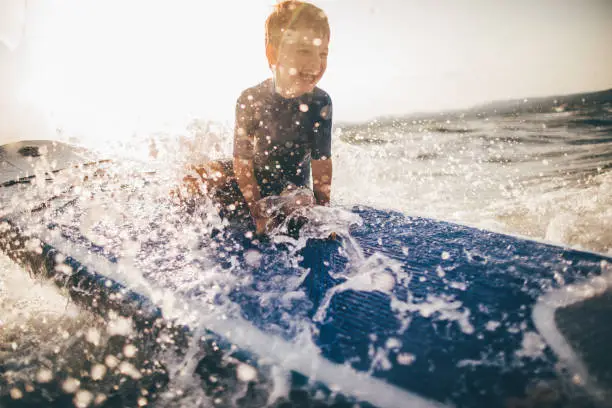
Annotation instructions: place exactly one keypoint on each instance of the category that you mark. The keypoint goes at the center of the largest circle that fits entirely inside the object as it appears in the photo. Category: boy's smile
(300, 61)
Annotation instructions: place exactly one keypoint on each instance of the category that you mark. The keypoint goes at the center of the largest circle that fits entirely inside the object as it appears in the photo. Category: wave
(446, 129)
(595, 122)
(360, 139)
(427, 156)
(591, 141)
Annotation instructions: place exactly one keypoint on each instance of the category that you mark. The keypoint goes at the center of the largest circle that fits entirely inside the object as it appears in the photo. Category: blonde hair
(291, 14)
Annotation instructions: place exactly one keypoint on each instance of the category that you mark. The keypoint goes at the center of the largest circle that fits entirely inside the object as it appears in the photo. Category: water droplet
(83, 398)
(303, 107)
(128, 369)
(98, 371)
(44, 375)
(121, 326)
(577, 379)
(246, 373)
(393, 343)
(129, 350)
(93, 336)
(405, 358)
(71, 385)
(111, 361)
(492, 325)
(253, 258)
(16, 393)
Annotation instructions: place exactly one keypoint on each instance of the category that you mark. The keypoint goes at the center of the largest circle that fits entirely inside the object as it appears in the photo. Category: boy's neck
(282, 92)
(279, 90)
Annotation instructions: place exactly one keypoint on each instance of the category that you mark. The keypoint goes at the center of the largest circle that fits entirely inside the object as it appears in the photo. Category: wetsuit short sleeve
(244, 129)
(322, 132)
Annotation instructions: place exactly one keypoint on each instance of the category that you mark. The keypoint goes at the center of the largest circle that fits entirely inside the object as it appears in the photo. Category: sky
(137, 64)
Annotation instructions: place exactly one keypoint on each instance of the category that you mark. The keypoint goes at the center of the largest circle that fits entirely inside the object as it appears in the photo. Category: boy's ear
(272, 54)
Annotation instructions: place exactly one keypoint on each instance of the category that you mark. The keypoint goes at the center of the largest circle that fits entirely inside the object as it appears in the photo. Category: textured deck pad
(435, 308)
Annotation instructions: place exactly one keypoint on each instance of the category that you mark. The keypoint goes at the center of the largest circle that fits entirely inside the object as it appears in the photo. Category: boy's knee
(213, 174)
(192, 185)
(304, 197)
(299, 196)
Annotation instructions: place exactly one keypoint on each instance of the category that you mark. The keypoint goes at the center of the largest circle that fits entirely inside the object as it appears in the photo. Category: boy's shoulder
(256, 91)
(320, 95)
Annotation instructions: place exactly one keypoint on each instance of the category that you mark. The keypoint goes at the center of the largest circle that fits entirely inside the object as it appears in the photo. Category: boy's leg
(280, 207)
(297, 197)
(227, 194)
(216, 180)
(289, 200)
(211, 175)
(196, 184)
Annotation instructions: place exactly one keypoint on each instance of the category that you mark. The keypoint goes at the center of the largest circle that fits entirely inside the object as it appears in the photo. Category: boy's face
(300, 61)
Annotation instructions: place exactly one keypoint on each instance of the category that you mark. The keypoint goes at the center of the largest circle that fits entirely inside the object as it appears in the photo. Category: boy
(283, 125)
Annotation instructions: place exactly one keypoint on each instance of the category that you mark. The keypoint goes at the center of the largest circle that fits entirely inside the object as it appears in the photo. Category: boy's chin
(303, 88)
(298, 89)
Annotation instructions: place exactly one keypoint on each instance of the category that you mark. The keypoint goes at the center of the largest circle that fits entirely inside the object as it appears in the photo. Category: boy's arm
(321, 162)
(243, 153)
(321, 180)
(245, 176)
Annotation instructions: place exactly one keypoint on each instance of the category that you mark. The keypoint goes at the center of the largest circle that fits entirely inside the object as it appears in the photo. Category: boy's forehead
(307, 36)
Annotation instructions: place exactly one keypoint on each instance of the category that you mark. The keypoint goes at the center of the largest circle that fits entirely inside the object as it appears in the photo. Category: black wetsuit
(281, 135)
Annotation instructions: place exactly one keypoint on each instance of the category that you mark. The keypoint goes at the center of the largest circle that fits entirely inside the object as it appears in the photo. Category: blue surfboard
(398, 311)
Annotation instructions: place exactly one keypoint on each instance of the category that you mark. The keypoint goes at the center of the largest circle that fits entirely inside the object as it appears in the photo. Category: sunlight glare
(107, 70)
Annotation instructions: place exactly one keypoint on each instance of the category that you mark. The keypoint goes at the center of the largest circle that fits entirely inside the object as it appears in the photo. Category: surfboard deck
(425, 313)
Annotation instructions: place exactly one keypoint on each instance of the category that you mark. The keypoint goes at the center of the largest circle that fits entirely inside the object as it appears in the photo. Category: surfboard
(398, 311)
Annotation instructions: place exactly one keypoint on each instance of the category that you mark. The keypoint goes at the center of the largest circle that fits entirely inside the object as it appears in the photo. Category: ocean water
(523, 168)
(535, 168)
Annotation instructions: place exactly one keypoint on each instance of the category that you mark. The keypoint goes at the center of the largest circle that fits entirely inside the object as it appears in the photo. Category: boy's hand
(261, 225)
(260, 217)
(322, 171)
